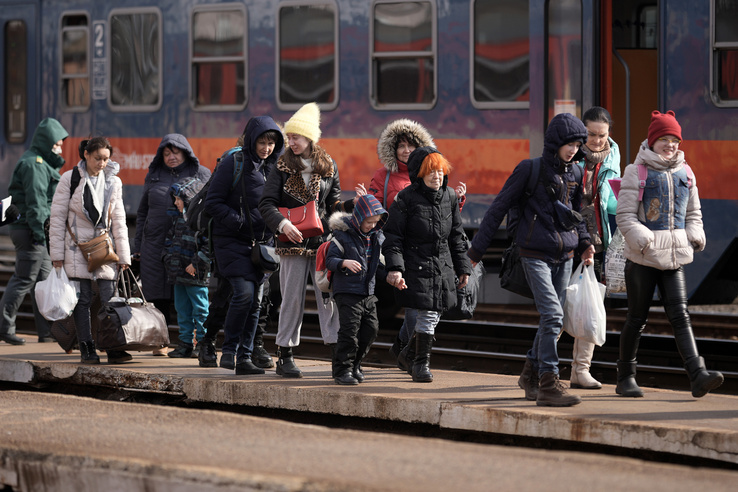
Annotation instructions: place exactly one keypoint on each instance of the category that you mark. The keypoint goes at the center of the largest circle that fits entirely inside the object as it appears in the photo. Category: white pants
(293, 278)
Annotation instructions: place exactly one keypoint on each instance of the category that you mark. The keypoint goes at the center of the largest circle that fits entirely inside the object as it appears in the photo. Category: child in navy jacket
(186, 257)
(354, 271)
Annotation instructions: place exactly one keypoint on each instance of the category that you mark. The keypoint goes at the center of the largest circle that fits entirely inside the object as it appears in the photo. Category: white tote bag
(585, 317)
(56, 296)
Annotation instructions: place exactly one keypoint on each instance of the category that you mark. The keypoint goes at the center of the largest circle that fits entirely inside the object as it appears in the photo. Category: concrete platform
(663, 421)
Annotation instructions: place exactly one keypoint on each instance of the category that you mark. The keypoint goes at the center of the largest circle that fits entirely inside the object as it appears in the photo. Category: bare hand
(360, 191)
(352, 265)
(588, 255)
(58, 263)
(292, 233)
(461, 189)
(191, 269)
(122, 266)
(395, 280)
(463, 280)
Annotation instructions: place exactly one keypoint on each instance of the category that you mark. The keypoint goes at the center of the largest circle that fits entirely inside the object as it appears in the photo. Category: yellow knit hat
(305, 122)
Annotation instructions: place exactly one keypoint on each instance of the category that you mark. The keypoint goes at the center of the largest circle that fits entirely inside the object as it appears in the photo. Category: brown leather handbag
(98, 251)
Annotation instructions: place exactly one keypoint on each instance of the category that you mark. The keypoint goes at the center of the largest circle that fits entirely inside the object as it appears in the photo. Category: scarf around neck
(593, 157)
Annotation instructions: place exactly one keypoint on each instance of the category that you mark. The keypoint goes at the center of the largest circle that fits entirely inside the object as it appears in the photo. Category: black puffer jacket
(425, 241)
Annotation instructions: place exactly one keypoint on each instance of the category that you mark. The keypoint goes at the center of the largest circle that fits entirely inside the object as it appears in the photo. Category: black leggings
(641, 282)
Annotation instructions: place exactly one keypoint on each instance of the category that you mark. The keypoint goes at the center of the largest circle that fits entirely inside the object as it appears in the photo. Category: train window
(307, 55)
(403, 55)
(75, 71)
(501, 53)
(564, 57)
(725, 53)
(16, 82)
(135, 60)
(218, 54)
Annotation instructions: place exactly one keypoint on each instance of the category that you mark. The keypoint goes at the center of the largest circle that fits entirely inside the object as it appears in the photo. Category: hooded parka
(539, 234)
(399, 178)
(71, 209)
(231, 232)
(156, 213)
(35, 178)
(425, 241)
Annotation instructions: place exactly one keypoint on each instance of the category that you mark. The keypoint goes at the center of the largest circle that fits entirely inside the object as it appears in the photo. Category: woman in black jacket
(425, 250)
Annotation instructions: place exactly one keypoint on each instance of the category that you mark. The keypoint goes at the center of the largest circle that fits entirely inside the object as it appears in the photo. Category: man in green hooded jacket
(32, 187)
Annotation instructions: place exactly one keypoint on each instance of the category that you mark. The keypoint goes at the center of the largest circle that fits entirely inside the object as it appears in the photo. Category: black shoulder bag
(263, 256)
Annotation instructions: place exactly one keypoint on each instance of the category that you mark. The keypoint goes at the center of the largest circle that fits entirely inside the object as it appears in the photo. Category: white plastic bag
(585, 317)
(57, 295)
(615, 264)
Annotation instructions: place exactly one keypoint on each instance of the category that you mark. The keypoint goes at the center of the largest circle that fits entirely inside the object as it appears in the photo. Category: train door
(629, 69)
(18, 84)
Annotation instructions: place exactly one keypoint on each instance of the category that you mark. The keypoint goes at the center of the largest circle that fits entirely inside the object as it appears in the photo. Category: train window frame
(225, 7)
(375, 56)
(472, 74)
(291, 106)
(64, 77)
(24, 103)
(134, 108)
(716, 49)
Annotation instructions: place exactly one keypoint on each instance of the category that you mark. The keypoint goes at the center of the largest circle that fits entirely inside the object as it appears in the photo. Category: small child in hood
(354, 278)
(186, 257)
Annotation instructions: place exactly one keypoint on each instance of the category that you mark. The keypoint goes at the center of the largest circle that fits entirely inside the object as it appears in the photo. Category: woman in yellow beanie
(304, 173)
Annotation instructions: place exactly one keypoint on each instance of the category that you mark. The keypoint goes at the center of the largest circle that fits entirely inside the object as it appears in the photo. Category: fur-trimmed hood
(339, 221)
(390, 137)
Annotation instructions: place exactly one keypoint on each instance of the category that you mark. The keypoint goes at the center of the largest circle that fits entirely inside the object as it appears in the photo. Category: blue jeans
(32, 264)
(242, 318)
(191, 303)
(82, 309)
(425, 321)
(408, 325)
(548, 282)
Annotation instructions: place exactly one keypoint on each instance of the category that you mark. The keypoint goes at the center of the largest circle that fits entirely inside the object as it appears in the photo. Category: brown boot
(528, 381)
(552, 393)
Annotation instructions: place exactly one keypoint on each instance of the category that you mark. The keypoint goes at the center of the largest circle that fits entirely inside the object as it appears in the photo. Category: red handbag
(305, 218)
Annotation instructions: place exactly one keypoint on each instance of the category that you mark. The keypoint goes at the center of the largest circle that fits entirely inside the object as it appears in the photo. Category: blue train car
(484, 76)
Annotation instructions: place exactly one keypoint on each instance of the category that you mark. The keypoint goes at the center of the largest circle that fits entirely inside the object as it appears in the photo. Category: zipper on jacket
(530, 229)
(672, 208)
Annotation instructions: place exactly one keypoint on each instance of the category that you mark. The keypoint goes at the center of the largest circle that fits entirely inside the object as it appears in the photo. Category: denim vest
(663, 191)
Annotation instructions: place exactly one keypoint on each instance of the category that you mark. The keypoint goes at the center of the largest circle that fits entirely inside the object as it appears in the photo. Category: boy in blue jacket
(548, 236)
(187, 261)
(354, 278)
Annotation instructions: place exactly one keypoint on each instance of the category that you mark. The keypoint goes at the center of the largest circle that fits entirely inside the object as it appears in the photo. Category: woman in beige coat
(660, 217)
(89, 198)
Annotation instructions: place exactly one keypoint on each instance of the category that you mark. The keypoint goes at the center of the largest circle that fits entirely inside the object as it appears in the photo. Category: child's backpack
(323, 276)
(198, 220)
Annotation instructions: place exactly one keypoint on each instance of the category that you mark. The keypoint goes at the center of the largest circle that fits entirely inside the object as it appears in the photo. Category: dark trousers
(219, 302)
(641, 282)
(358, 328)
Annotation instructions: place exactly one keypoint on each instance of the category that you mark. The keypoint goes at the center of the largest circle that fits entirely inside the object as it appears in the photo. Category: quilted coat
(665, 228)
(66, 209)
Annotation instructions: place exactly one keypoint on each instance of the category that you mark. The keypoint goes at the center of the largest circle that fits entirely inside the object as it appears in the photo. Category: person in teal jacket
(601, 163)
(32, 187)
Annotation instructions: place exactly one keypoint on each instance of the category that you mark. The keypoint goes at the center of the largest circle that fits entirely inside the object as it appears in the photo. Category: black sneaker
(46, 339)
(118, 356)
(181, 352)
(207, 356)
(245, 367)
(261, 358)
(228, 361)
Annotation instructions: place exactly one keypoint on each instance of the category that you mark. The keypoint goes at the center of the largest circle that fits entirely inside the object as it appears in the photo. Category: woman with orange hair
(424, 238)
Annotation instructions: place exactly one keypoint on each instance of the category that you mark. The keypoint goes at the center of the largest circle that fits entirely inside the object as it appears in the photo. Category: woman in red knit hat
(659, 215)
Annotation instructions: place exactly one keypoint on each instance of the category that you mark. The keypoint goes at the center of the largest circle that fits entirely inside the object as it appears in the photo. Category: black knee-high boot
(701, 380)
(630, 336)
(407, 356)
